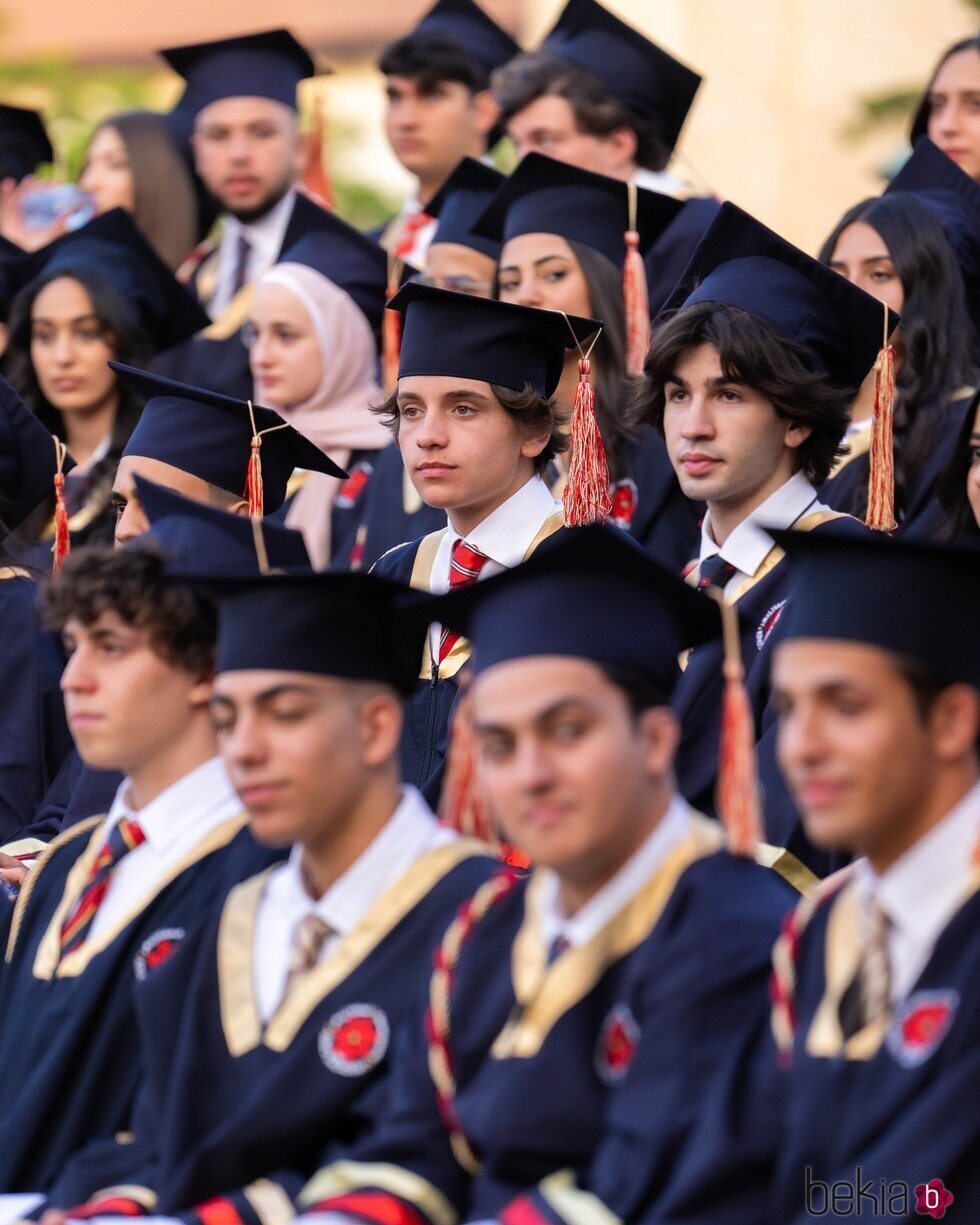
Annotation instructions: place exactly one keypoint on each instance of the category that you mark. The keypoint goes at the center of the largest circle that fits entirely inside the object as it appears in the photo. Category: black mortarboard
(24, 143)
(28, 458)
(740, 262)
(345, 625)
(912, 599)
(952, 196)
(464, 23)
(592, 594)
(642, 75)
(446, 333)
(210, 435)
(111, 247)
(348, 258)
(269, 64)
(196, 537)
(460, 201)
(544, 196)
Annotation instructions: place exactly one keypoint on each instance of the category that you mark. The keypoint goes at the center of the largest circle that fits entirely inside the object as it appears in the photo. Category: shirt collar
(922, 890)
(613, 896)
(181, 806)
(749, 544)
(268, 232)
(505, 535)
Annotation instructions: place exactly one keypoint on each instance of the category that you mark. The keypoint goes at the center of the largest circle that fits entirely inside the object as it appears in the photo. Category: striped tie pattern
(309, 936)
(125, 836)
(465, 564)
(875, 974)
(714, 571)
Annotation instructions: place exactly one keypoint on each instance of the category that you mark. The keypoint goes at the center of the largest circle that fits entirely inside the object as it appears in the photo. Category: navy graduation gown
(898, 1098)
(235, 1109)
(668, 258)
(77, 792)
(429, 709)
(647, 501)
(389, 513)
(68, 1051)
(584, 1080)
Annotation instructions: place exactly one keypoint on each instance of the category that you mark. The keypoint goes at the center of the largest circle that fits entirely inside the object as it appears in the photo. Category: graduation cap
(615, 218)
(30, 458)
(269, 64)
(457, 205)
(24, 143)
(464, 23)
(345, 625)
(112, 247)
(349, 259)
(195, 537)
(913, 599)
(234, 444)
(646, 78)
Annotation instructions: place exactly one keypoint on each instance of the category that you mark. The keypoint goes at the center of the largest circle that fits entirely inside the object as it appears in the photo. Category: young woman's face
(107, 176)
(541, 270)
(284, 354)
(450, 265)
(954, 110)
(862, 257)
(70, 348)
(973, 472)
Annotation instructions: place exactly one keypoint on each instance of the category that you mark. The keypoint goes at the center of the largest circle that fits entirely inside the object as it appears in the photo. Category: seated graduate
(572, 240)
(476, 423)
(958, 489)
(579, 1017)
(877, 990)
(113, 896)
(750, 380)
(265, 1043)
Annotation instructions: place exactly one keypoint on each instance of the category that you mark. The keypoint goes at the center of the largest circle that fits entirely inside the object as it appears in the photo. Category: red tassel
(636, 304)
(587, 498)
(737, 793)
(62, 536)
(391, 337)
(254, 493)
(316, 175)
(881, 478)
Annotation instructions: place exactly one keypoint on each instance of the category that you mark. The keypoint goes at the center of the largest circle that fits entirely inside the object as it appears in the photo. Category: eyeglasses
(458, 284)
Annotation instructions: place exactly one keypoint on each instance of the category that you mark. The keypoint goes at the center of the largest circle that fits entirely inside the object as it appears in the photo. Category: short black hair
(642, 692)
(754, 354)
(540, 74)
(131, 582)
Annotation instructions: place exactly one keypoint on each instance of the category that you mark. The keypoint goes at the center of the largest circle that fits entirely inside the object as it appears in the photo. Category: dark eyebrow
(78, 319)
(267, 696)
(543, 259)
(556, 708)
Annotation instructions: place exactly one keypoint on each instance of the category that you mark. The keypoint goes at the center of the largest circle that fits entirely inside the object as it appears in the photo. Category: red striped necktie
(465, 564)
(125, 836)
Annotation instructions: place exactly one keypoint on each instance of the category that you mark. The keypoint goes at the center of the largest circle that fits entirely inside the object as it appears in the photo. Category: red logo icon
(617, 1044)
(624, 498)
(921, 1025)
(932, 1199)
(354, 1040)
(157, 949)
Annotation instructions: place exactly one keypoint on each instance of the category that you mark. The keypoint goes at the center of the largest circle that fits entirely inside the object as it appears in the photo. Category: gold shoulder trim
(49, 964)
(411, 498)
(786, 865)
(573, 1205)
(775, 555)
(345, 1176)
(143, 1196)
(296, 482)
(239, 1017)
(27, 888)
(232, 317)
(545, 993)
(13, 572)
(425, 559)
(269, 1202)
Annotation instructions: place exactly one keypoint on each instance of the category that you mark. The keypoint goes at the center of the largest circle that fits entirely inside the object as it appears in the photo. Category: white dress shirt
(746, 548)
(921, 892)
(505, 536)
(265, 237)
(587, 922)
(411, 831)
(174, 823)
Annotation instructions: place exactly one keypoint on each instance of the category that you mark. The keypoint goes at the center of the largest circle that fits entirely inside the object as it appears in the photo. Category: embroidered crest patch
(768, 624)
(618, 1040)
(920, 1026)
(354, 1040)
(157, 949)
(354, 485)
(624, 499)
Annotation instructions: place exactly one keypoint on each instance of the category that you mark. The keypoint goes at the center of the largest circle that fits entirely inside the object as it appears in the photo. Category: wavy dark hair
(958, 517)
(754, 354)
(920, 121)
(936, 337)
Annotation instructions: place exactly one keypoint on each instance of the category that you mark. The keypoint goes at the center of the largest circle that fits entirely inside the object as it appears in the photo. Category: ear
(954, 722)
(534, 444)
(796, 435)
(202, 689)
(301, 151)
(661, 731)
(381, 728)
(621, 146)
(486, 112)
(238, 508)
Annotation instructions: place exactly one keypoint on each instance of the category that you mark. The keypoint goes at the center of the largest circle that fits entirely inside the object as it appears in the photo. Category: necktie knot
(465, 567)
(125, 836)
(714, 571)
(309, 936)
(243, 252)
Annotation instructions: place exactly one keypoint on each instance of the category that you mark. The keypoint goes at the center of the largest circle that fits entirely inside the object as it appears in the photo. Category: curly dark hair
(754, 354)
(132, 583)
(936, 336)
(532, 412)
(540, 74)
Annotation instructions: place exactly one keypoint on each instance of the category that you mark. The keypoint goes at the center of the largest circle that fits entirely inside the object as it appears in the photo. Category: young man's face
(567, 768)
(462, 450)
(859, 756)
(300, 748)
(432, 130)
(548, 125)
(131, 520)
(248, 152)
(726, 443)
(126, 705)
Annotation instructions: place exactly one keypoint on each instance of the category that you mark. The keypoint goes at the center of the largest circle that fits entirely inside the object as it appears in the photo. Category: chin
(272, 829)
